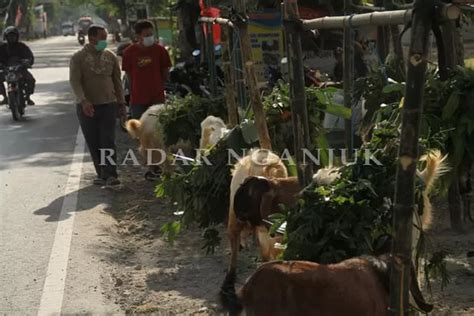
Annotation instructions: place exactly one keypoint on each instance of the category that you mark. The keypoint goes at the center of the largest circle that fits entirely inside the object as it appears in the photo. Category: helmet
(10, 30)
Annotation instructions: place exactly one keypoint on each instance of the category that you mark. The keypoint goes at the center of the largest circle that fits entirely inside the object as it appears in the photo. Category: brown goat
(356, 287)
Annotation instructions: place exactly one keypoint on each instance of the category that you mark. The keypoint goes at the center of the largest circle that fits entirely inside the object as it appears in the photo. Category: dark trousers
(99, 133)
(136, 110)
(30, 82)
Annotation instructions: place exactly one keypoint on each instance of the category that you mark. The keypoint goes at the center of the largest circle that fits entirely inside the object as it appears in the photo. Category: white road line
(53, 291)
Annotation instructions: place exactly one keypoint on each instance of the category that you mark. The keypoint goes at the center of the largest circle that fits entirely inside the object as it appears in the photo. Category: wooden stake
(241, 22)
(297, 90)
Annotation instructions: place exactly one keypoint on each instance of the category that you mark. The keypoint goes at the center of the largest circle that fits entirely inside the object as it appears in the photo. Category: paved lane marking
(53, 290)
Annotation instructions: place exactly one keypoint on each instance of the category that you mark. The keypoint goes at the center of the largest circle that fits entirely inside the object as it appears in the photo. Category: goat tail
(133, 127)
(416, 292)
(229, 298)
(436, 166)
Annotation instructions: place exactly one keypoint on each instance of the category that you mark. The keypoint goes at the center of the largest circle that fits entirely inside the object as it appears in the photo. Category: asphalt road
(53, 222)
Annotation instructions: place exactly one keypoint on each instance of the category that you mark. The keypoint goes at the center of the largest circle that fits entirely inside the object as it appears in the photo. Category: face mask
(101, 45)
(149, 40)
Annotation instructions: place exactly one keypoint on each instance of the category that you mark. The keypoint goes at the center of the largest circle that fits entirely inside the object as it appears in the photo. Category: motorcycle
(312, 77)
(185, 78)
(192, 77)
(81, 38)
(16, 88)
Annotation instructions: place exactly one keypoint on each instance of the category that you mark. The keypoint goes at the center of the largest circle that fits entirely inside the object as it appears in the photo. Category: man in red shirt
(146, 64)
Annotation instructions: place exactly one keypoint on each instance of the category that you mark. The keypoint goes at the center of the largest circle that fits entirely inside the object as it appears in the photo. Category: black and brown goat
(259, 197)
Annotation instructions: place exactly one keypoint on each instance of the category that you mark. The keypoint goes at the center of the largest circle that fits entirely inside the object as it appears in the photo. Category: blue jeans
(136, 110)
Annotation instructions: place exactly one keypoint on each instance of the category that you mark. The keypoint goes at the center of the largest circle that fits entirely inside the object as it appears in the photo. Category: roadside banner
(266, 37)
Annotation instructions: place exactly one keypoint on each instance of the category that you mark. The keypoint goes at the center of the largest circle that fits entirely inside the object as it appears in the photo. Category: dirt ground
(458, 297)
(150, 276)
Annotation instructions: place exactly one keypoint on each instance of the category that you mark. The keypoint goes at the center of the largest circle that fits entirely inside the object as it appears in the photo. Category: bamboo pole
(232, 111)
(227, 65)
(397, 17)
(374, 18)
(241, 23)
(211, 62)
(383, 45)
(221, 21)
(404, 203)
(396, 41)
(297, 90)
(348, 78)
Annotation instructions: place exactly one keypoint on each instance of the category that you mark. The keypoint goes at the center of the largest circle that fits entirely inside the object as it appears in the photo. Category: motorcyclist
(14, 51)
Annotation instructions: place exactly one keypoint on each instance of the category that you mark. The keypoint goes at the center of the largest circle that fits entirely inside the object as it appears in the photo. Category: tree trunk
(188, 15)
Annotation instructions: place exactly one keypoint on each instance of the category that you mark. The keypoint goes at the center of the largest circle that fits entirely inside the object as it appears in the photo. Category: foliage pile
(451, 107)
(278, 110)
(448, 108)
(344, 219)
(202, 194)
(183, 116)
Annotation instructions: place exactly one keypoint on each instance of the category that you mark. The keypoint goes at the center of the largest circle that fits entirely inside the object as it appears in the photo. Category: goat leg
(265, 243)
(234, 228)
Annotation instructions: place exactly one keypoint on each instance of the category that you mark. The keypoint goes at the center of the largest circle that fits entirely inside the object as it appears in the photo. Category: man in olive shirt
(94, 75)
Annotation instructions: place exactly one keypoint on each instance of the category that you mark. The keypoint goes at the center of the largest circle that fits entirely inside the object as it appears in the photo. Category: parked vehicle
(16, 87)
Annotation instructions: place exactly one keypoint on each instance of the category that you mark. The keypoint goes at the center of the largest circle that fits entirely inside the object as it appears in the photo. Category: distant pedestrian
(95, 80)
(146, 64)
